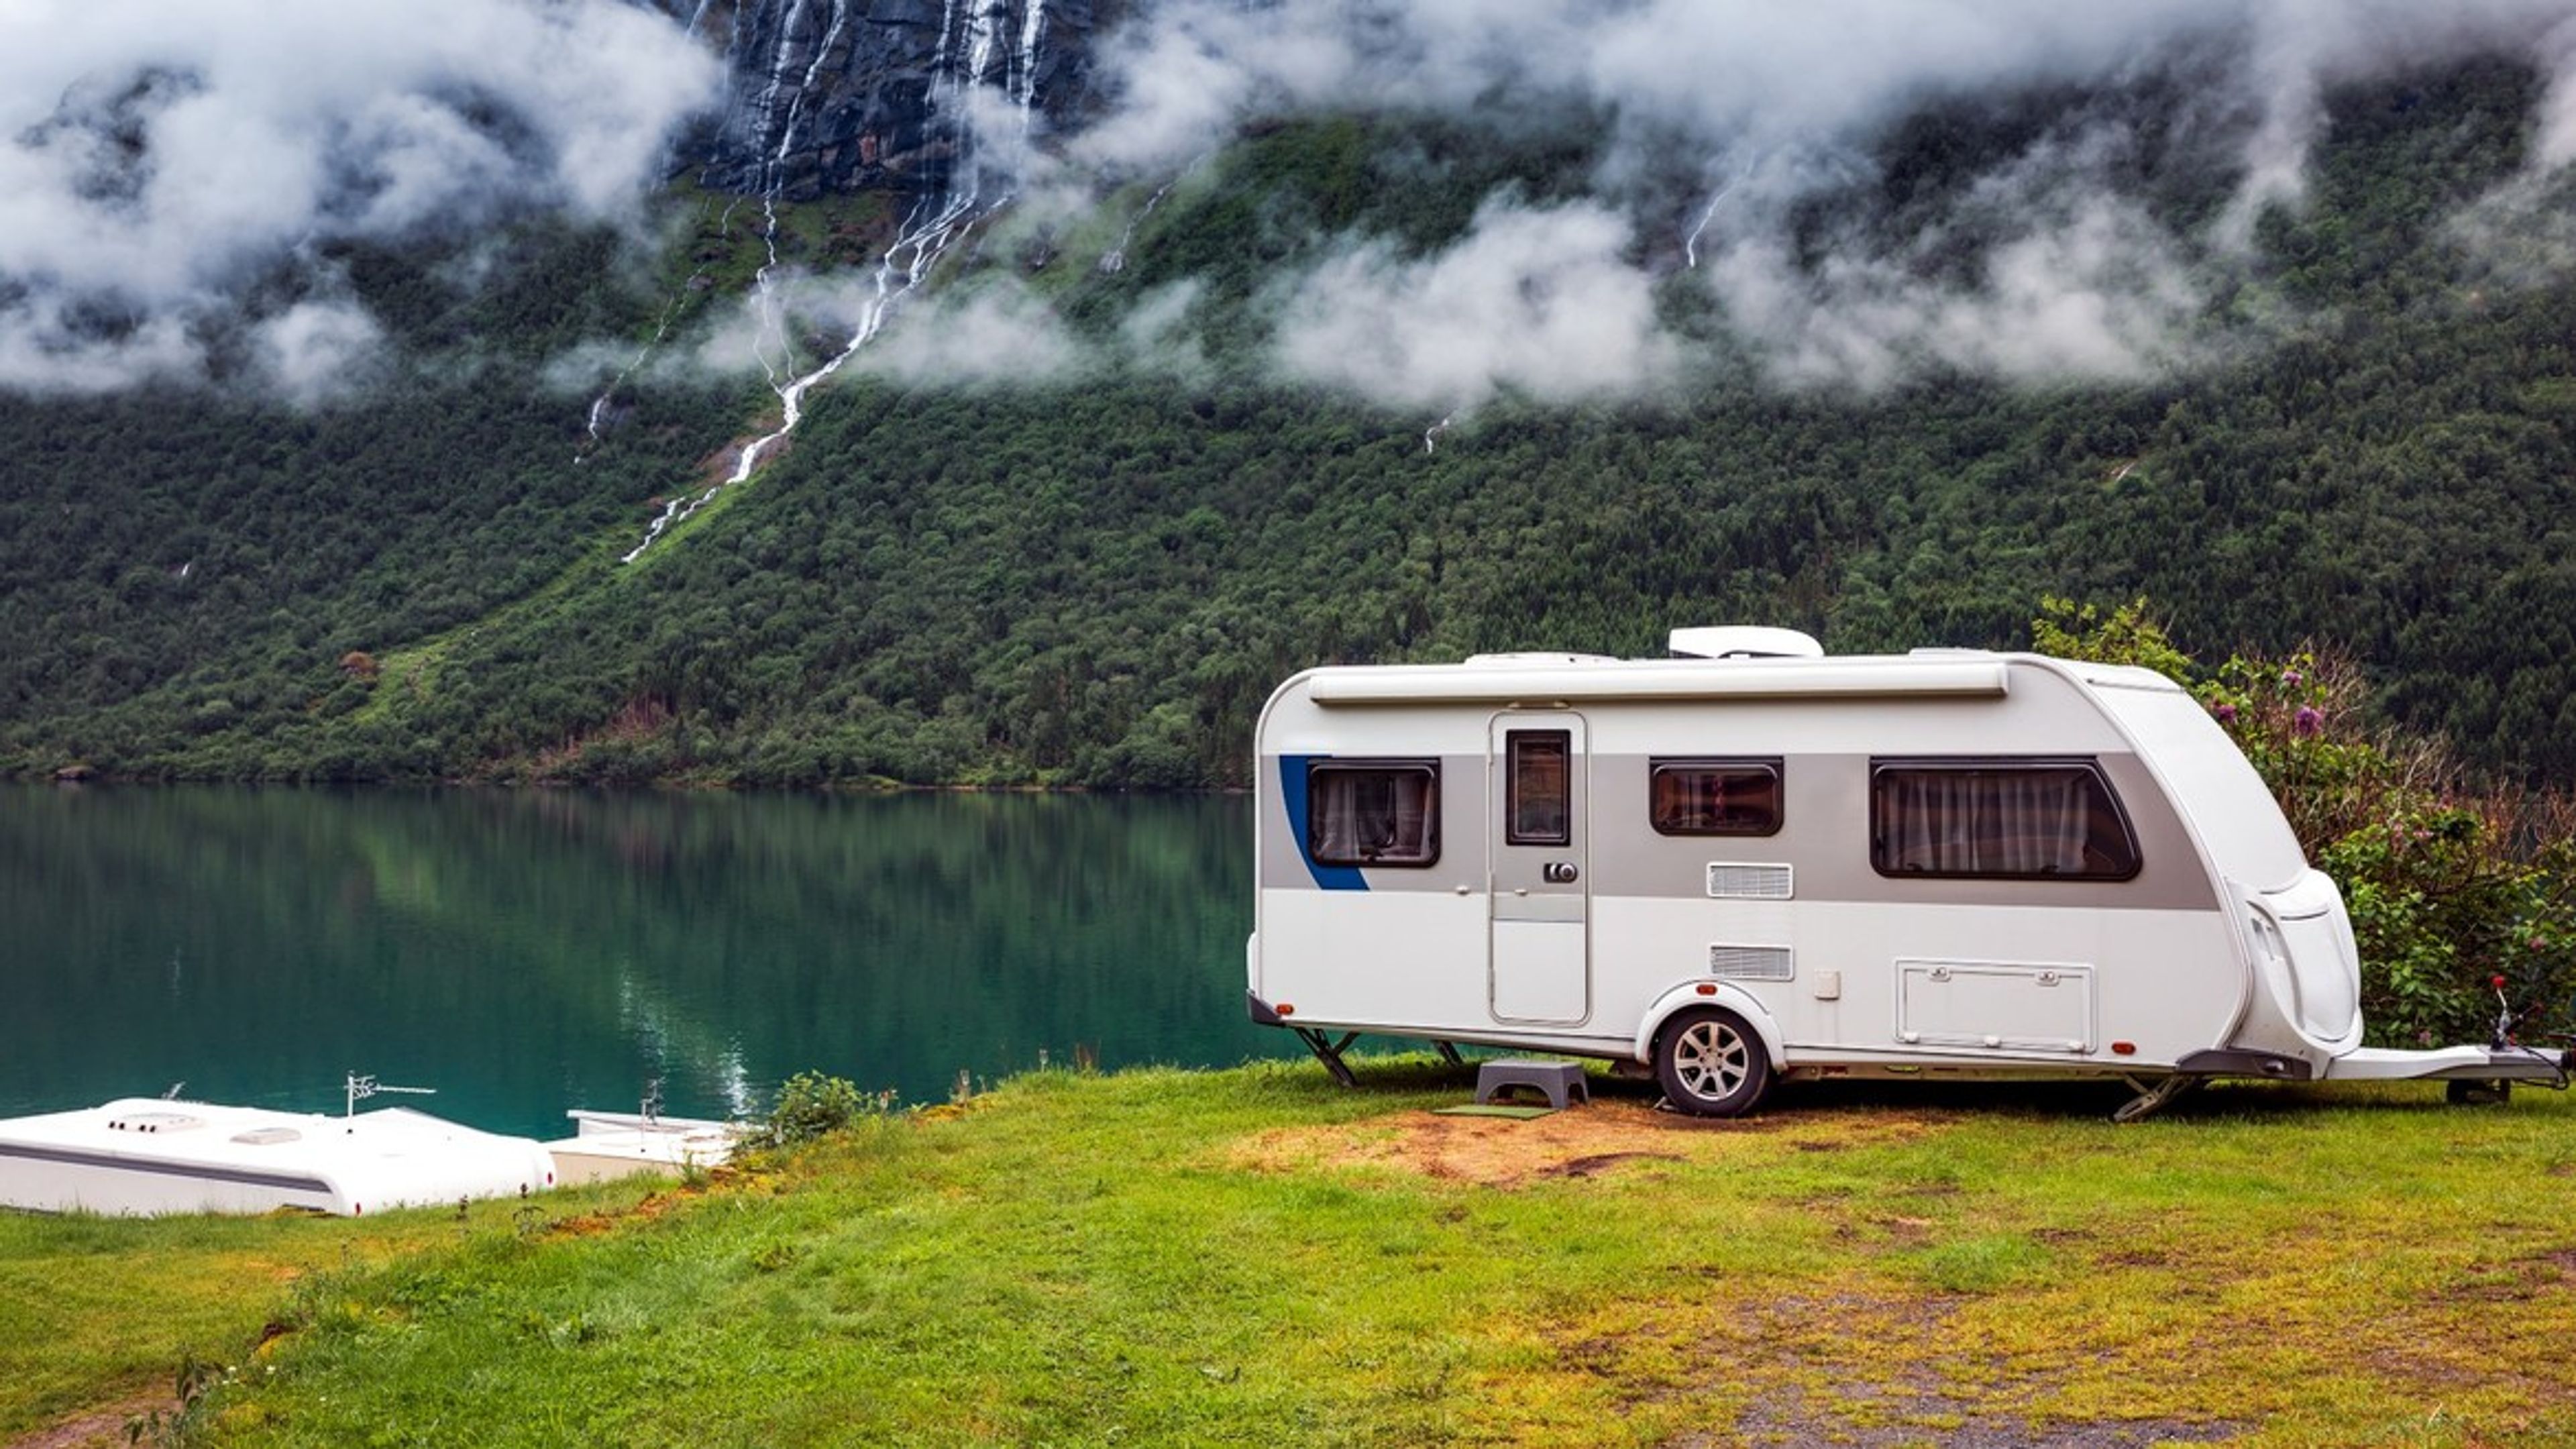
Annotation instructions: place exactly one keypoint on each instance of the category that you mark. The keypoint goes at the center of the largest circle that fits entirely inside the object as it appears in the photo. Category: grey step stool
(1561, 1081)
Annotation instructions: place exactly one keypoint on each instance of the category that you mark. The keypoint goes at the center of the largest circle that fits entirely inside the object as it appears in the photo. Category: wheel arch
(1698, 993)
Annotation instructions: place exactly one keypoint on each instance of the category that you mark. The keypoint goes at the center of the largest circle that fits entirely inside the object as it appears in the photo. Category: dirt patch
(2520, 1280)
(1926, 1417)
(1582, 1143)
(651, 1207)
(96, 1428)
(1599, 1161)
(1871, 1372)
(1910, 1232)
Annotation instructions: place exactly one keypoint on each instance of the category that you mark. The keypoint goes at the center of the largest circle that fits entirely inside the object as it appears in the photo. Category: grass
(105, 1312)
(1256, 1257)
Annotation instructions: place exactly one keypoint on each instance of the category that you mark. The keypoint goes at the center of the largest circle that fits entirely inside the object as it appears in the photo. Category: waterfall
(1032, 33)
(600, 405)
(797, 106)
(1114, 260)
(1690, 242)
(977, 50)
(768, 106)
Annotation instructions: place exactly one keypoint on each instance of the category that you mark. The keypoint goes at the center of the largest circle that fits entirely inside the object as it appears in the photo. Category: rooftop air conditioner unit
(1743, 641)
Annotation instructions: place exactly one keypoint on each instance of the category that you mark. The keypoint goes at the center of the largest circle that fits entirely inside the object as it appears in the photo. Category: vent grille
(1752, 963)
(1730, 880)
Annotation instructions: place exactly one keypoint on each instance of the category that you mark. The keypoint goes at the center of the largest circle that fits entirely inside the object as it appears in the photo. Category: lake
(528, 951)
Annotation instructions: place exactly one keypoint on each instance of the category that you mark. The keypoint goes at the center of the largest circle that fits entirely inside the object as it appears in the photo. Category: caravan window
(1538, 803)
(2018, 819)
(1373, 812)
(1714, 797)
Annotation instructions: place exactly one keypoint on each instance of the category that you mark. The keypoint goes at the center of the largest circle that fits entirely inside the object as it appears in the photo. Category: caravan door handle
(1558, 872)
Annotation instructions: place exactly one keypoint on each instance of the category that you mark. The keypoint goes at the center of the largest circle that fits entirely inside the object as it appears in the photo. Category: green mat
(1493, 1109)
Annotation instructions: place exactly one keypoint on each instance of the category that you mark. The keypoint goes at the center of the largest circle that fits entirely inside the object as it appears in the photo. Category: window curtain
(1334, 829)
(2005, 822)
(1364, 814)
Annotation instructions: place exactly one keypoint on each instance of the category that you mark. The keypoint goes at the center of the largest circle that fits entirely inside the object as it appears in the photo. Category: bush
(812, 1105)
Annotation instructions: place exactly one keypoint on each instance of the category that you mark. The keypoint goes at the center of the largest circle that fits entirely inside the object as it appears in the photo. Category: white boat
(619, 1144)
(149, 1156)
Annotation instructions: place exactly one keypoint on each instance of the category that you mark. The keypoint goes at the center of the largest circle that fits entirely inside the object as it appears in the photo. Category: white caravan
(1754, 861)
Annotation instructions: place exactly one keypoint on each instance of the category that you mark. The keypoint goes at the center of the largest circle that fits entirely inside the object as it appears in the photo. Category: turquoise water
(524, 952)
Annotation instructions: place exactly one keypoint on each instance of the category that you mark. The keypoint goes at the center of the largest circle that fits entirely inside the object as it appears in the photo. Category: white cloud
(157, 158)
(1537, 301)
(2556, 144)
(1778, 104)
(1156, 332)
(315, 351)
(2043, 270)
(997, 334)
(2091, 296)
(2039, 274)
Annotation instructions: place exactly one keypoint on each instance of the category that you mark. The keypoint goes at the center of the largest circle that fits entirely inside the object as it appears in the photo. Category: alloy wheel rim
(1711, 1059)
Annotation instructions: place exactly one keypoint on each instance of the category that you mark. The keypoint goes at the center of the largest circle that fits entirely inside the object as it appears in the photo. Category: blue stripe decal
(1292, 790)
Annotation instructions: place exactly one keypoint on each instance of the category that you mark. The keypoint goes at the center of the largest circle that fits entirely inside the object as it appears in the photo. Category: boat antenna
(362, 1087)
(172, 1094)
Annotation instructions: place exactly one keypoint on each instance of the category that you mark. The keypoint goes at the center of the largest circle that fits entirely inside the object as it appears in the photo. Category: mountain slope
(1094, 575)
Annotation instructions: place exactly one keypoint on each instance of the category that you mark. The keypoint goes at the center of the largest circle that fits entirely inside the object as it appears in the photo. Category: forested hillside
(1094, 577)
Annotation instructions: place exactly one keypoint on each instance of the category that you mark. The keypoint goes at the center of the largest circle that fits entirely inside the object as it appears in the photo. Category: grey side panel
(1824, 834)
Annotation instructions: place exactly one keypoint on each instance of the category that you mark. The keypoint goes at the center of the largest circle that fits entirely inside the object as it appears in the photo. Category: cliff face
(841, 95)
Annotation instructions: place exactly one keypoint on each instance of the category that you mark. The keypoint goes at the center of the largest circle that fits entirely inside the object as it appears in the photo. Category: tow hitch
(2512, 1060)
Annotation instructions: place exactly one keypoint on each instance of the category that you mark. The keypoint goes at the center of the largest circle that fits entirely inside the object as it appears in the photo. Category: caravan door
(1539, 878)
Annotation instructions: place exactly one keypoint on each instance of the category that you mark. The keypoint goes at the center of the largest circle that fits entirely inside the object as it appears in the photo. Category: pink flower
(2308, 721)
(2293, 678)
(2538, 944)
(2226, 714)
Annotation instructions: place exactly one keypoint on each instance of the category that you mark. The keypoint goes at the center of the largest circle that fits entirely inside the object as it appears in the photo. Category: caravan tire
(1711, 1064)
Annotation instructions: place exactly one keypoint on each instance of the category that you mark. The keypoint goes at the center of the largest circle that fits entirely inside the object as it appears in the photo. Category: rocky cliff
(839, 95)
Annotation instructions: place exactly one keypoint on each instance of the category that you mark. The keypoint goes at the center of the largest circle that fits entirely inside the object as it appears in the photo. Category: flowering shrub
(2449, 885)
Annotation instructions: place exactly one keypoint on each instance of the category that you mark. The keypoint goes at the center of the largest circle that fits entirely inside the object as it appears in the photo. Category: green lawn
(1255, 1257)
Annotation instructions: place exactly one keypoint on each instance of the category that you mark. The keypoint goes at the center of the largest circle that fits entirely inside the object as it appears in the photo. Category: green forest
(1096, 582)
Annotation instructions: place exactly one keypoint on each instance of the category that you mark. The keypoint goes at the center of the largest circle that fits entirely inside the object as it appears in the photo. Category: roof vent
(154, 1122)
(1743, 641)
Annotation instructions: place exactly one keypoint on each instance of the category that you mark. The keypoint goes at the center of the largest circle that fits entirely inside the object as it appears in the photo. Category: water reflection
(530, 951)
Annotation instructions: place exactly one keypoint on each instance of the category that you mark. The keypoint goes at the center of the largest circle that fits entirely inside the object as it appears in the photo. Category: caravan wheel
(1711, 1064)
